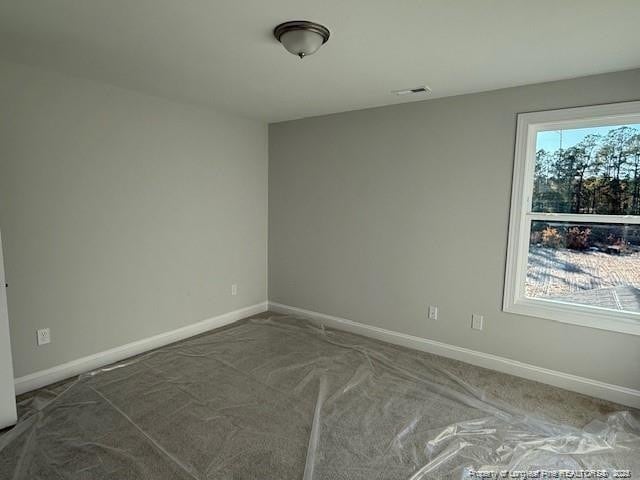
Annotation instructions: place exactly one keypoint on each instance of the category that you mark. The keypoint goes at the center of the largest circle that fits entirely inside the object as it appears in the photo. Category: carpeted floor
(278, 398)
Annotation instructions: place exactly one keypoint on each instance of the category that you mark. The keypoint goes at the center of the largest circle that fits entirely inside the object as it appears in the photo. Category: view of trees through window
(586, 171)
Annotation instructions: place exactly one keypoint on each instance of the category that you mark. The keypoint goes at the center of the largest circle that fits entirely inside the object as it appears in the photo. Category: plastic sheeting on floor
(281, 399)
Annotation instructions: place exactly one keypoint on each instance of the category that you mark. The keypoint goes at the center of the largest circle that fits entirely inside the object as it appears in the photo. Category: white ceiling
(221, 52)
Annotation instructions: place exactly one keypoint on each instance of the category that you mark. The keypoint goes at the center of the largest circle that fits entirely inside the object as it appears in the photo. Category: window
(574, 233)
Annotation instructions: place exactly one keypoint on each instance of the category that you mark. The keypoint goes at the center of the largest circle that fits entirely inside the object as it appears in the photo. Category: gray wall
(122, 215)
(375, 214)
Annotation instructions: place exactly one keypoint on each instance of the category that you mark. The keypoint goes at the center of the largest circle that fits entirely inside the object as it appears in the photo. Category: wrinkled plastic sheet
(283, 399)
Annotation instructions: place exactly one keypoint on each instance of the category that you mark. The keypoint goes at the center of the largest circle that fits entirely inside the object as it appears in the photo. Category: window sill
(592, 317)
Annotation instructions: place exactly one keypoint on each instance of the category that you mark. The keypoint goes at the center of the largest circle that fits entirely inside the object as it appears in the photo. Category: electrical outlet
(477, 321)
(44, 336)
(433, 312)
(234, 289)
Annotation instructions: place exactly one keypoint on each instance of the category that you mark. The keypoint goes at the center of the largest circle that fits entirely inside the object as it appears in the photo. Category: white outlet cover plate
(44, 336)
(433, 312)
(477, 321)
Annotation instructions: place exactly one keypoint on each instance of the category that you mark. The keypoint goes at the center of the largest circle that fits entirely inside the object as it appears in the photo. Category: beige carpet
(281, 399)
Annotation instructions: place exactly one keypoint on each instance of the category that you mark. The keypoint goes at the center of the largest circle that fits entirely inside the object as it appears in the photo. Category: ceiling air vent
(422, 90)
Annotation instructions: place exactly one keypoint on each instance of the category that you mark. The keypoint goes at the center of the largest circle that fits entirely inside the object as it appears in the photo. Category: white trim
(587, 386)
(585, 316)
(515, 300)
(86, 364)
(592, 116)
(8, 414)
(584, 218)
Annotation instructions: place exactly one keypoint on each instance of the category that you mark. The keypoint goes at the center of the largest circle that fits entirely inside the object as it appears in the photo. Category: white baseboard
(97, 360)
(587, 386)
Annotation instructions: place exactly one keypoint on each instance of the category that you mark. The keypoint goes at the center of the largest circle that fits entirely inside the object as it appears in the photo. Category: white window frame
(515, 301)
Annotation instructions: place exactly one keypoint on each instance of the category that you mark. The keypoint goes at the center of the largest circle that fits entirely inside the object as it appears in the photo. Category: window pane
(585, 264)
(588, 170)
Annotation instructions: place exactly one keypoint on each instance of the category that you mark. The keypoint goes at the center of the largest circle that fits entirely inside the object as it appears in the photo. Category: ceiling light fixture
(300, 37)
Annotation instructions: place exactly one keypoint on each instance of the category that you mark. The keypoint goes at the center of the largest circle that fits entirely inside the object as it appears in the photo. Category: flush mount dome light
(300, 37)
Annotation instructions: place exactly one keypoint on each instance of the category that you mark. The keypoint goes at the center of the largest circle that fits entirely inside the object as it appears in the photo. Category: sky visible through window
(550, 140)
